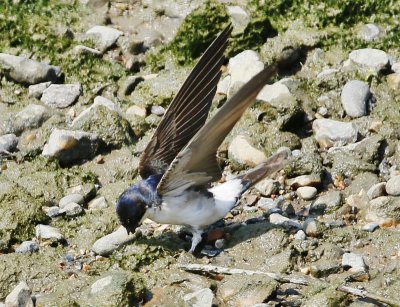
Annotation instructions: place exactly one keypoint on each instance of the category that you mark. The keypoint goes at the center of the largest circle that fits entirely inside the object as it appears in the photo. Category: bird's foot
(196, 239)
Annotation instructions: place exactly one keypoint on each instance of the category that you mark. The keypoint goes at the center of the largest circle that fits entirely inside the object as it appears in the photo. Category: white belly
(195, 209)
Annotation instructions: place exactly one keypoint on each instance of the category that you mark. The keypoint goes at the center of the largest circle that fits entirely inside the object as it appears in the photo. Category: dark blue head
(133, 203)
(131, 207)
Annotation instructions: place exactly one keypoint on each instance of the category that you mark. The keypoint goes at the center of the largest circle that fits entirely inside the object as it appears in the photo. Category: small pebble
(313, 228)
(370, 58)
(220, 243)
(306, 193)
(98, 203)
(48, 232)
(300, 235)
(355, 98)
(157, 110)
(20, 296)
(53, 211)
(71, 209)
(370, 227)
(71, 198)
(27, 247)
(377, 190)
(355, 262)
(281, 220)
(393, 186)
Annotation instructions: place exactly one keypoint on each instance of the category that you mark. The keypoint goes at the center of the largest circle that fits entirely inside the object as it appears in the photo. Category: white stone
(200, 298)
(393, 186)
(20, 296)
(100, 284)
(355, 261)
(240, 18)
(105, 37)
(370, 58)
(243, 152)
(244, 66)
(48, 232)
(8, 142)
(355, 95)
(98, 203)
(136, 111)
(71, 209)
(71, 198)
(377, 190)
(37, 90)
(61, 95)
(278, 219)
(109, 243)
(306, 193)
(98, 101)
(223, 85)
(330, 132)
(276, 91)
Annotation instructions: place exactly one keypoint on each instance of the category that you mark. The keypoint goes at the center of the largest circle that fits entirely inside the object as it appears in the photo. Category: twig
(294, 279)
(366, 294)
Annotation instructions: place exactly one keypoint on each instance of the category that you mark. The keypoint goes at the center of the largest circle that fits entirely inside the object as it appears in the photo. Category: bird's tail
(273, 164)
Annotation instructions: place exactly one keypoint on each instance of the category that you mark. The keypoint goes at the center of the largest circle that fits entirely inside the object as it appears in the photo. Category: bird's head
(131, 208)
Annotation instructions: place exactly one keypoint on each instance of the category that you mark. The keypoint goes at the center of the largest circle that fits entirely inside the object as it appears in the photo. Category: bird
(179, 164)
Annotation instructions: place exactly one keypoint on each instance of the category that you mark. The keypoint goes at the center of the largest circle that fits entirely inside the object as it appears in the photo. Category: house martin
(180, 161)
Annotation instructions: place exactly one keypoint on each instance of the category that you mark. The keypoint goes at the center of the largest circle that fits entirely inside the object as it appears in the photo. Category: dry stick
(294, 279)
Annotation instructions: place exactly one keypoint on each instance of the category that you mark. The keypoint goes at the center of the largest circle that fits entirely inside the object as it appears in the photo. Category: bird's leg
(196, 239)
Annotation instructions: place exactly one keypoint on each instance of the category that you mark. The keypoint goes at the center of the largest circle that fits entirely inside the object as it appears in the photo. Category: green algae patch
(195, 34)
(19, 213)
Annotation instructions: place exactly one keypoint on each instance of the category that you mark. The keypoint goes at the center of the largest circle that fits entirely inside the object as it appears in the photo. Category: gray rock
(200, 298)
(27, 247)
(36, 90)
(355, 262)
(53, 211)
(20, 296)
(129, 84)
(369, 58)
(370, 227)
(220, 243)
(27, 71)
(47, 232)
(61, 95)
(83, 50)
(355, 96)
(111, 242)
(104, 37)
(306, 193)
(98, 101)
(369, 32)
(329, 202)
(71, 198)
(242, 152)
(71, 209)
(377, 190)
(393, 186)
(98, 203)
(384, 210)
(30, 117)
(267, 187)
(330, 133)
(268, 204)
(70, 146)
(8, 143)
(277, 219)
(313, 228)
(115, 288)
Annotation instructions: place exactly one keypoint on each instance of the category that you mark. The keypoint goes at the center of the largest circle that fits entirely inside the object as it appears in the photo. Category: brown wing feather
(197, 164)
(188, 111)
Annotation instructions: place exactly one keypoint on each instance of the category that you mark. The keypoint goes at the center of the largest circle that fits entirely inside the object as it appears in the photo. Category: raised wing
(188, 111)
(197, 163)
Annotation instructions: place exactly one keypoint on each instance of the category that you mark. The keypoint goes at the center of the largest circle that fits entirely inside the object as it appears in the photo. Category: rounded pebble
(393, 186)
(71, 198)
(27, 247)
(306, 193)
(355, 96)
